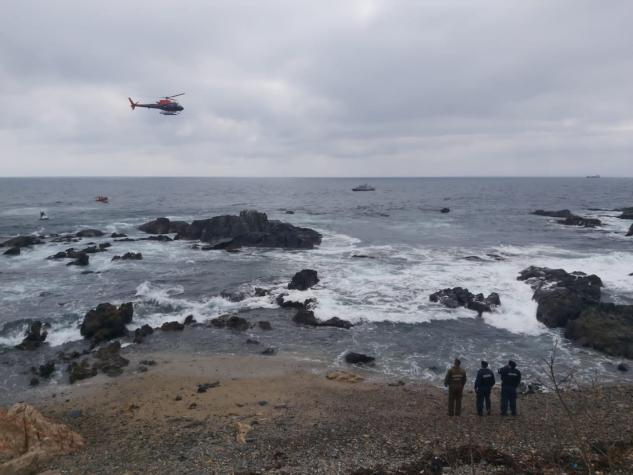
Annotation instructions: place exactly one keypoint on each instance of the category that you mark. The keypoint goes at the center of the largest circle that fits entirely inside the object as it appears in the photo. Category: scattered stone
(107, 322)
(303, 280)
(12, 251)
(81, 260)
(232, 322)
(193, 405)
(358, 358)
(35, 381)
(141, 333)
(269, 351)
(362, 256)
(344, 377)
(202, 388)
(46, 370)
(172, 326)
(34, 337)
(110, 362)
(262, 403)
(289, 211)
(129, 256)
(264, 325)
(80, 370)
(460, 297)
(630, 232)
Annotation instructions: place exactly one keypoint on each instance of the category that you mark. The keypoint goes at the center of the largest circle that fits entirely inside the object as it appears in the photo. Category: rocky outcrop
(627, 213)
(141, 333)
(568, 218)
(233, 296)
(250, 229)
(129, 256)
(232, 322)
(28, 440)
(163, 226)
(303, 280)
(107, 321)
(21, 241)
(34, 337)
(561, 296)
(630, 233)
(12, 251)
(89, 233)
(304, 316)
(460, 297)
(605, 327)
(172, 327)
(109, 360)
(82, 260)
(358, 358)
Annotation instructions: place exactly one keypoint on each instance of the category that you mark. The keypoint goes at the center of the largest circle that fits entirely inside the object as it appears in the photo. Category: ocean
(414, 250)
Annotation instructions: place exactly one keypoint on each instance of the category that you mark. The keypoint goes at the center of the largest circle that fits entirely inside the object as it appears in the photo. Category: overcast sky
(317, 88)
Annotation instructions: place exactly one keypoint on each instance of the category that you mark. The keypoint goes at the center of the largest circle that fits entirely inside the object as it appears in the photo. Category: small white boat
(364, 187)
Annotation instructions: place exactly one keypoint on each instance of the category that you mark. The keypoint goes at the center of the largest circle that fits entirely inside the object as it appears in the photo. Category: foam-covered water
(412, 251)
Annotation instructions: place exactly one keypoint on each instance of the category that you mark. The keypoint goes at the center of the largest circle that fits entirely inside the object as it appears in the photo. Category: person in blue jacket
(483, 385)
(510, 379)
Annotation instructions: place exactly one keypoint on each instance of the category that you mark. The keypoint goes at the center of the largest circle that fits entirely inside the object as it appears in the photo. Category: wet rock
(163, 226)
(107, 321)
(623, 367)
(336, 322)
(563, 213)
(129, 256)
(189, 319)
(80, 370)
(104, 245)
(34, 337)
(81, 260)
(118, 235)
(362, 256)
(303, 280)
(232, 296)
(252, 229)
(109, 361)
(142, 332)
(288, 211)
(127, 239)
(630, 233)
(264, 325)
(460, 297)
(89, 233)
(627, 213)
(12, 251)
(282, 302)
(21, 241)
(445, 210)
(580, 221)
(35, 381)
(606, 327)
(232, 322)
(160, 237)
(251, 341)
(259, 292)
(147, 362)
(561, 296)
(270, 351)
(358, 358)
(172, 326)
(202, 388)
(46, 370)
(305, 317)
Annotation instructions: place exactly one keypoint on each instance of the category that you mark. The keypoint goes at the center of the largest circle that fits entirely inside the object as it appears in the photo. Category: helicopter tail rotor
(132, 104)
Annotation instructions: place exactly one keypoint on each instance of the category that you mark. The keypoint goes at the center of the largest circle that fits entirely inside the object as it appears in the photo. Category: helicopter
(167, 105)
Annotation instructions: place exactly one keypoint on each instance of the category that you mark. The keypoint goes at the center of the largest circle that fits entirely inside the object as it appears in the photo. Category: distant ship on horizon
(593, 176)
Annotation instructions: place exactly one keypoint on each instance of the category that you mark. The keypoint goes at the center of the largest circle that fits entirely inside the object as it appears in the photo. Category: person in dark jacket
(510, 379)
(483, 384)
(455, 380)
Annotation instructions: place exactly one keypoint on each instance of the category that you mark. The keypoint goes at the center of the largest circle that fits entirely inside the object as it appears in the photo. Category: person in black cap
(483, 384)
(510, 379)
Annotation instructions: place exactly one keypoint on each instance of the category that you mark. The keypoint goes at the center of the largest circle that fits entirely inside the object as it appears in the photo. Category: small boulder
(172, 326)
(623, 367)
(358, 358)
(107, 321)
(232, 322)
(563, 213)
(89, 233)
(630, 233)
(34, 337)
(142, 332)
(264, 325)
(80, 370)
(129, 256)
(259, 292)
(336, 322)
(12, 251)
(445, 210)
(118, 235)
(21, 241)
(271, 351)
(305, 317)
(304, 279)
(82, 259)
(232, 296)
(189, 319)
(202, 388)
(46, 370)
(109, 360)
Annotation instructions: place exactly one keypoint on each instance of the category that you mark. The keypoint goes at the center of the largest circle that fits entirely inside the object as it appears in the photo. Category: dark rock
(264, 325)
(304, 279)
(358, 358)
(232, 296)
(259, 292)
(232, 322)
(445, 210)
(623, 367)
(561, 296)
(460, 297)
(142, 332)
(251, 341)
(129, 256)
(21, 241)
(80, 370)
(46, 370)
(475, 259)
(107, 322)
(305, 317)
(282, 302)
(290, 212)
(362, 256)
(580, 221)
(172, 326)
(147, 362)
(251, 228)
(627, 213)
(157, 226)
(202, 388)
(336, 322)
(606, 327)
(189, 320)
(118, 235)
(59, 255)
(563, 213)
(160, 237)
(82, 259)
(142, 369)
(178, 397)
(269, 351)
(34, 337)
(12, 251)
(35, 381)
(104, 245)
(630, 233)
(91, 250)
(127, 239)
(89, 233)
(109, 361)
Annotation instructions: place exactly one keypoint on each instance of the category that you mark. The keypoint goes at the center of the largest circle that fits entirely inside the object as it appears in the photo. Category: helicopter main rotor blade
(175, 95)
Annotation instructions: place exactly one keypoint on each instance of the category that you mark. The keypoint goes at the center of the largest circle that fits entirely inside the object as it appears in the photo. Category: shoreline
(295, 420)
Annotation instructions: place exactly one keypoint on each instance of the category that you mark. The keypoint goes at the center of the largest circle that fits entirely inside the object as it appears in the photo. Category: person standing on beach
(455, 380)
(510, 379)
(483, 384)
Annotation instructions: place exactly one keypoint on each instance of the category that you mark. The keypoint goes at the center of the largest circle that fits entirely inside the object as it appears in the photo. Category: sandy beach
(267, 414)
